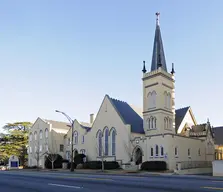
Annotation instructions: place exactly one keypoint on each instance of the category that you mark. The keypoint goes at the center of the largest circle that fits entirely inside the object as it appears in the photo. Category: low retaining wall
(207, 170)
(217, 168)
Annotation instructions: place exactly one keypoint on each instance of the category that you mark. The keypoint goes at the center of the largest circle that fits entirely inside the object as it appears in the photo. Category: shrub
(30, 167)
(154, 166)
(79, 159)
(98, 165)
(69, 165)
(57, 163)
(65, 161)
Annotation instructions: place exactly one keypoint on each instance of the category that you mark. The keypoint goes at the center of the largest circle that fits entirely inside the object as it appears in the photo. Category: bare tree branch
(101, 156)
(52, 153)
(38, 153)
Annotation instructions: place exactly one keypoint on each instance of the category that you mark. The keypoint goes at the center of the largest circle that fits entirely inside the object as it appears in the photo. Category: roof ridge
(118, 100)
(56, 121)
(182, 108)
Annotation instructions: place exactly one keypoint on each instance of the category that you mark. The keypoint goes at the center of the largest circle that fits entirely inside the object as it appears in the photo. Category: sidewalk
(126, 173)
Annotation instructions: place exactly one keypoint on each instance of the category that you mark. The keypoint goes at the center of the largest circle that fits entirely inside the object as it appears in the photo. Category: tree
(52, 153)
(15, 142)
(102, 155)
(38, 153)
(20, 126)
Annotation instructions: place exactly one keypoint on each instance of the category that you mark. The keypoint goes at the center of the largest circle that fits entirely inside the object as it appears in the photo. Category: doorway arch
(137, 155)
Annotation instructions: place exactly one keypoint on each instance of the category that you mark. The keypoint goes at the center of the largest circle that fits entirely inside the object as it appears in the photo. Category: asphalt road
(20, 181)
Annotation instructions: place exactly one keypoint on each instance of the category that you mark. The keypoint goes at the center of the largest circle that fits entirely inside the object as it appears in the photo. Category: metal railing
(195, 164)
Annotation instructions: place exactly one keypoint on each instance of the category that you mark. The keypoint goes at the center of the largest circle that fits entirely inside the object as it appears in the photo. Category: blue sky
(67, 55)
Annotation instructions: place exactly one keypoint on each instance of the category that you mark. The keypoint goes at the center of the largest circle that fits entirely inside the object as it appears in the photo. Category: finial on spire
(157, 18)
(144, 67)
(173, 71)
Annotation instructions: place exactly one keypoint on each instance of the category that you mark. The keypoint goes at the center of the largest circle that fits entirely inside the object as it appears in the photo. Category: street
(16, 181)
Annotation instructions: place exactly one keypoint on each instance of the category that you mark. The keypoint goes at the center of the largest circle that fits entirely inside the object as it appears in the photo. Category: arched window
(82, 151)
(153, 99)
(165, 99)
(157, 150)
(40, 134)
(75, 137)
(30, 137)
(170, 123)
(148, 123)
(176, 151)
(165, 122)
(47, 148)
(113, 141)
(46, 133)
(35, 135)
(149, 100)
(154, 123)
(151, 152)
(99, 143)
(169, 101)
(161, 151)
(106, 134)
(151, 122)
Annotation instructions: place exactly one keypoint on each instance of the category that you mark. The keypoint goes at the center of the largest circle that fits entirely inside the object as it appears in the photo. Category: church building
(121, 132)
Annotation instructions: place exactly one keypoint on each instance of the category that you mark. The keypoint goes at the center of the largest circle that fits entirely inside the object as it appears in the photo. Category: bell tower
(158, 91)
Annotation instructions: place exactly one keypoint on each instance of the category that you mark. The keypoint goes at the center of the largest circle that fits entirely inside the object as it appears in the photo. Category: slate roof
(86, 126)
(180, 114)
(158, 56)
(58, 124)
(129, 115)
(218, 135)
(199, 128)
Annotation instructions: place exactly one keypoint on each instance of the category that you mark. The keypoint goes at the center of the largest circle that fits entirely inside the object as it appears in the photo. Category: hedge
(79, 159)
(69, 165)
(98, 165)
(57, 163)
(154, 166)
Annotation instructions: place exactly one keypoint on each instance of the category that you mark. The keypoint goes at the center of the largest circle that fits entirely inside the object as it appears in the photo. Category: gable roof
(218, 135)
(58, 124)
(86, 126)
(180, 114)
(128, 115)
(131, 116)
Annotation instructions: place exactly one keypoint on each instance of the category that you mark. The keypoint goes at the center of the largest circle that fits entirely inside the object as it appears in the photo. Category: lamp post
(72, 138)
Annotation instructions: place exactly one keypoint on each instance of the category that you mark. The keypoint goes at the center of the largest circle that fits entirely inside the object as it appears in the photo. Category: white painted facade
(45, 136)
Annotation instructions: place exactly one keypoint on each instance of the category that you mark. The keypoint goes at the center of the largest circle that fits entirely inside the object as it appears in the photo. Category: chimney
(91, 118)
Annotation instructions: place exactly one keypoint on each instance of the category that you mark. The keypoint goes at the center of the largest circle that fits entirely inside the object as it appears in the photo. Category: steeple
(158, 57)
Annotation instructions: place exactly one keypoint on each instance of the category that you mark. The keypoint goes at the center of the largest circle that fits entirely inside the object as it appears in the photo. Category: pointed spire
(158, 57)
(159, 61)
(173, 71)
(144, 67)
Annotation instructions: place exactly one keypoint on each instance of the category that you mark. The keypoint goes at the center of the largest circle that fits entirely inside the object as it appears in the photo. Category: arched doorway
(137, 155)
(75, 152)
